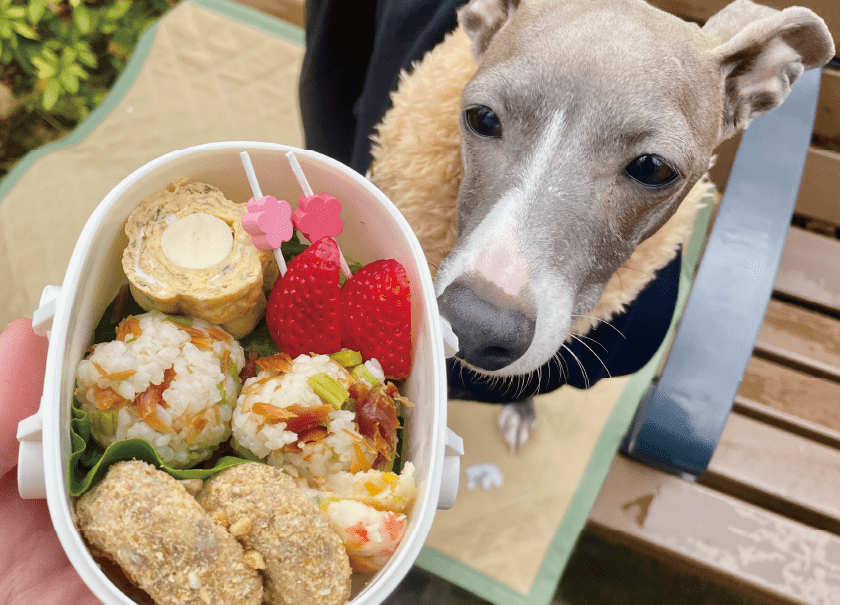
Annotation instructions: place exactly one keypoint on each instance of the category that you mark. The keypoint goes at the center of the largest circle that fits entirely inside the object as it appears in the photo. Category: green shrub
(59, 59)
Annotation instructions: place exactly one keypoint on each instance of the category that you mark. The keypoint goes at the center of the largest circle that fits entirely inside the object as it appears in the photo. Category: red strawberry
(303, 309)
(376, 316)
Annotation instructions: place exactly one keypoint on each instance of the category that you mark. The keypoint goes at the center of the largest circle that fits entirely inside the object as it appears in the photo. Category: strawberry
(376, 320)
(302, 312)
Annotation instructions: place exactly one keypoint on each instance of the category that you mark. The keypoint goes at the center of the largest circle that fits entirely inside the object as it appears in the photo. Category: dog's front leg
(516, 423)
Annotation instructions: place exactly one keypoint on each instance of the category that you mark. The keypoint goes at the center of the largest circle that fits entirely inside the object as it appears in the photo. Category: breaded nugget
(306, 562)
(164, 540)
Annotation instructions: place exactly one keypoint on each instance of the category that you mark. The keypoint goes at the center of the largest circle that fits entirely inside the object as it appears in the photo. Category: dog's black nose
(490, 336)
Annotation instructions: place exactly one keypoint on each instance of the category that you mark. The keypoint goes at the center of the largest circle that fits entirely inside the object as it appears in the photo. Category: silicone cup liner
(373, 229)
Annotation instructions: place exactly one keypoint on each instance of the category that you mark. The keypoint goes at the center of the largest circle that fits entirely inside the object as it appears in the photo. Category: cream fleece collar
(417, 164)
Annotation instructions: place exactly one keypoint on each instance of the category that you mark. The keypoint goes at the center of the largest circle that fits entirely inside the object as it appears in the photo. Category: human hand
(33, 565)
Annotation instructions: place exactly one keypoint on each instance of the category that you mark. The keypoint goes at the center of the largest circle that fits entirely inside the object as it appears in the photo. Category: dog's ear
(761, 52)
(483, 19)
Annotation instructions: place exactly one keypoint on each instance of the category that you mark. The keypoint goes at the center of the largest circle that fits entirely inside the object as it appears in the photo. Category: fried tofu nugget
(164, 541)
(305, 560)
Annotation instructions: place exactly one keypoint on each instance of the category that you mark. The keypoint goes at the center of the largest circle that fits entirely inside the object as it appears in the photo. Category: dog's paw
(516, 423)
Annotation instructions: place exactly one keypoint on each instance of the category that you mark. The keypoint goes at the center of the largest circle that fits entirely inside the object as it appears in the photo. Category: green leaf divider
(89, 463)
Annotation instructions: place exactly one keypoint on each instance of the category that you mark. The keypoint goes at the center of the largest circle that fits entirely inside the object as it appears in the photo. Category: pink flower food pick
(318, 216)
(268, 221)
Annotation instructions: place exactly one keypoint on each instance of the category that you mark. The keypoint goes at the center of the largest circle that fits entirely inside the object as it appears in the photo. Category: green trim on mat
(238, 12)
(548, 576)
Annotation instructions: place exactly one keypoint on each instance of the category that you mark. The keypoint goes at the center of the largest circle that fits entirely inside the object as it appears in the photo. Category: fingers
(23, 357)
(33, 565)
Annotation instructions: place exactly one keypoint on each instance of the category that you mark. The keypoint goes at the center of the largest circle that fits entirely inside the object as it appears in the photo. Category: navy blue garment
(352, 62)
(355, 52)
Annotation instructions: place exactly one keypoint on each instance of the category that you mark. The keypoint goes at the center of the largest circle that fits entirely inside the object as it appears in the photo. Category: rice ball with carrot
(172, 381)
(287, 417)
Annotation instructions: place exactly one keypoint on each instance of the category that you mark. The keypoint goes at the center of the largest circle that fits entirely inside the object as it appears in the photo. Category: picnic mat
(209, 71)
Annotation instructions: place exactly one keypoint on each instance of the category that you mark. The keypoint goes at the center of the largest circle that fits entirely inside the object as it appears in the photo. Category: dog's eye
(483, 121)
(651, 171)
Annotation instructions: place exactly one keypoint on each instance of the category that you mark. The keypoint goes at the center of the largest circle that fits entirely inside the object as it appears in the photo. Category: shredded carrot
(218, 334)
(202, 342)
(281, 363)
(193, 332)
(106, 398)
(113, 375)
(356, 436)
(360, 462)
(368, 446)
(257, 384)
(157, 424)
(196, 427)
(272, 413)
(129, 325)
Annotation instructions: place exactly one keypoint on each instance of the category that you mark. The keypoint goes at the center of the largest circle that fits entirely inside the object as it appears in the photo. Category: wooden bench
(764, 518)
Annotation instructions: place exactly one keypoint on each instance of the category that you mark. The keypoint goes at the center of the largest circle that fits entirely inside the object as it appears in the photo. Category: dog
(582, 128)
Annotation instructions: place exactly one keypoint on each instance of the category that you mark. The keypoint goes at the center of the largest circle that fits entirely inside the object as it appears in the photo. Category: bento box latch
(31, 483)
(450, 338)
(452, 470)
(42, 319)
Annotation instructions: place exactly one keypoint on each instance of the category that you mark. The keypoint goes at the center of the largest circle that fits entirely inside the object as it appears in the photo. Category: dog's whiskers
(604, 321)
(580, 365)
(593, 340)
(594, 354)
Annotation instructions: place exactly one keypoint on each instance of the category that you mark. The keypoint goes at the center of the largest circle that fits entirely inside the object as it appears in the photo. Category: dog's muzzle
(491, 335)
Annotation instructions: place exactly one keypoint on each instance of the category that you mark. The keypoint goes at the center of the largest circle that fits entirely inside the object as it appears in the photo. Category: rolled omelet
(188, 254)
(305, 560)
(164, 541)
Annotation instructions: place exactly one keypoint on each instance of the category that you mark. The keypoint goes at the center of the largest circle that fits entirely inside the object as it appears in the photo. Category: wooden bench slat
(720, 538)
(809, 269)
(292, 11)
(800, 337)
(776, 386)
(777, 470)
(818, 196)
(788, 422)
(820, 190)
(826, 118)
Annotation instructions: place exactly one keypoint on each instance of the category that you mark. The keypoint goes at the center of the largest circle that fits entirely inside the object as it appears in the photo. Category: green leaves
(61, 73)
(60, 57)
(89, 463)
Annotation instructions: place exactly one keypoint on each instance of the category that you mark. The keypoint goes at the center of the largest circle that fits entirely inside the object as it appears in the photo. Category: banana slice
(188, 254)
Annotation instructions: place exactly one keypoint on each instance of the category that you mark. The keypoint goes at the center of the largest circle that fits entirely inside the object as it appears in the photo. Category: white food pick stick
(308, 192)
(258, 195)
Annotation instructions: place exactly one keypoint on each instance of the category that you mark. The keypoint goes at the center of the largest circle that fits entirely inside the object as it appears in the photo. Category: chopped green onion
(347, 358)
(329, 389)
(184, 321)
(360, 372)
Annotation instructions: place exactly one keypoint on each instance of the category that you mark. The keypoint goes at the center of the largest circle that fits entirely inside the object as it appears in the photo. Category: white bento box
(373, 229)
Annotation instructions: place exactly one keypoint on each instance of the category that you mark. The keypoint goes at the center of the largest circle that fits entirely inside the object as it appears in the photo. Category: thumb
(23, 358)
